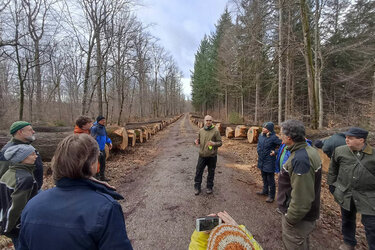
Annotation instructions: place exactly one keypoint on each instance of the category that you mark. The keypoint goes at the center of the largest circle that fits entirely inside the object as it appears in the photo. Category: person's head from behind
(76, 157)
(292, 131)
(84, 122)
(229, 237)
(21, 153)
(22, 131)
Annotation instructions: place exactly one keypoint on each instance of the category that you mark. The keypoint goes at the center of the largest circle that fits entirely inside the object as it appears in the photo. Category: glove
(331, 188)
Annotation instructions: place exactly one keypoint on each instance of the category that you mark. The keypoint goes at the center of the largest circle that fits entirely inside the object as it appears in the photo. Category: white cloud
(181, 25)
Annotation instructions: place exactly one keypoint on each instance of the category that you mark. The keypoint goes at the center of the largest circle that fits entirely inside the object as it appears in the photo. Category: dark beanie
(269, 126)
(99, 118)
(17, 126)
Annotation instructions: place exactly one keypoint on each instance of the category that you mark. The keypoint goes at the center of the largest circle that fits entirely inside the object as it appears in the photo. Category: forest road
(160, 207)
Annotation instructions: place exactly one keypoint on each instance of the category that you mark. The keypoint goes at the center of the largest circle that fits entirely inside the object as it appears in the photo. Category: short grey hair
(294, 129)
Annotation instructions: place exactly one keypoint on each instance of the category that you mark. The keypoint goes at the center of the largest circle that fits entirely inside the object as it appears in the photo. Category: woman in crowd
(78, 213)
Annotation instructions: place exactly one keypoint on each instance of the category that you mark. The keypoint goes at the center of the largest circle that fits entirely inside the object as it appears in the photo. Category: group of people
(351, 178)
(92, 218)
(81, 212)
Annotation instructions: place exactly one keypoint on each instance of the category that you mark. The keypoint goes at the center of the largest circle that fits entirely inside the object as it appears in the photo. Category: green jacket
(17, 187)
(353, 180)
(300, 184)
(206, 135)
(4, 164)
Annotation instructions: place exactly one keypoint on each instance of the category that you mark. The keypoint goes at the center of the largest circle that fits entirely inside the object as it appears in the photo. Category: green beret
(17, 126)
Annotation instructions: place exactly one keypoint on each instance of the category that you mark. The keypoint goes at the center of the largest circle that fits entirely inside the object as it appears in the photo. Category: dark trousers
(269, 186)
(349, 226)
(210, 162)
(15, 241)
(102, 156)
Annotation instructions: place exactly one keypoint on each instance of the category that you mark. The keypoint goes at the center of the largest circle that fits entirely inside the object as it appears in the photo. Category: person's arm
(114, 234)
(20, 197)
(218, 142)
(333, 172)
(303, 192)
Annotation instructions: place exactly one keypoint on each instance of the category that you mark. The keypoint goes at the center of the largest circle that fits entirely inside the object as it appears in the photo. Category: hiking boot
(197, 191)
(270, 200)
(261, 193)
(345, 246)
(209, 191)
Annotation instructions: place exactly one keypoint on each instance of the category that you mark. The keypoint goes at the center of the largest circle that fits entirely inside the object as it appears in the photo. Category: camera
(207, 223)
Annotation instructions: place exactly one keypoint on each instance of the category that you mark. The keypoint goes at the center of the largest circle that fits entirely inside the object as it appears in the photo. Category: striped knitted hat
(228, 237)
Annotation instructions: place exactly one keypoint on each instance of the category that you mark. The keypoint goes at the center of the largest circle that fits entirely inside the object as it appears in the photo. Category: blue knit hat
(19, 152)
(269, 125)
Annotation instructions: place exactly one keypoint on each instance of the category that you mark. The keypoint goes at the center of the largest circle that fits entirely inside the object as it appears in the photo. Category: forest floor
(156, 178)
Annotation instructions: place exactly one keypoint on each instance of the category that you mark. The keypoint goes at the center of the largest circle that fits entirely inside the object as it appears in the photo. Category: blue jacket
(266, 144)
(100, 134)
(76, 214)
(286, 156)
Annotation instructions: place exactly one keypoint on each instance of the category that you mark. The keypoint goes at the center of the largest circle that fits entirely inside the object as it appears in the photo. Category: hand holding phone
(207, 223)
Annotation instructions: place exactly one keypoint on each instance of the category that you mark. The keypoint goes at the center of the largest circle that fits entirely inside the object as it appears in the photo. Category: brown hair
(82, 120)
(74, 157)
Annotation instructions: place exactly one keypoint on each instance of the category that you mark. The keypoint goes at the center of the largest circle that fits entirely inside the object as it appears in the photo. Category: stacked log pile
(231, 131)
(122, 137)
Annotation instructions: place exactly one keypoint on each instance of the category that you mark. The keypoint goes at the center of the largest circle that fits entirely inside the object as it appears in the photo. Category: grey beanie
(18, 153)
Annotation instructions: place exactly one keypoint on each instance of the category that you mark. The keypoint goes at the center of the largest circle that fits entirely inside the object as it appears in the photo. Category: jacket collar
(297, 145)
(67, 182)
(16, 141)
(27, 167)
(368, 149)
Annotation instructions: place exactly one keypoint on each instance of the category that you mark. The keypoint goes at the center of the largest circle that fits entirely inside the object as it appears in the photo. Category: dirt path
(160, 206)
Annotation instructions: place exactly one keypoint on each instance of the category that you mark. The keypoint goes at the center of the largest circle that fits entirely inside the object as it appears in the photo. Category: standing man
(268, 142)
(83, 125)
(99, 132)
(298, 197)
(209, 140)
(22, 133)
(351, 180)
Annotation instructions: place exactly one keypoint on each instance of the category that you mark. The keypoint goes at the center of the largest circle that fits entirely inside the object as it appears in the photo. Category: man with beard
(22, 133)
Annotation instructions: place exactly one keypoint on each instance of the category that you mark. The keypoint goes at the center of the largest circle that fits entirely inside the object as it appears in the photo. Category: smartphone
(207, 223)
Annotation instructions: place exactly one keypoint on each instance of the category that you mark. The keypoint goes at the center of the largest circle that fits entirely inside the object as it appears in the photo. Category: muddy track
(160, 207)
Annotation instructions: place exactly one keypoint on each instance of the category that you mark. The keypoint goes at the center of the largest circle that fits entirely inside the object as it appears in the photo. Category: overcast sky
(180, 25)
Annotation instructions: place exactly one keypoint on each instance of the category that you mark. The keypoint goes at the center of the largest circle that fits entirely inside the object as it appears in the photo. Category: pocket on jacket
(339, 192)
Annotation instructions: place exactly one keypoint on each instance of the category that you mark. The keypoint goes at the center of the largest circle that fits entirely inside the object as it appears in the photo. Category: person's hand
(102, 182)
(110, 146)
(227, 219)
(196, 142)
(272, 153)
(210, 143)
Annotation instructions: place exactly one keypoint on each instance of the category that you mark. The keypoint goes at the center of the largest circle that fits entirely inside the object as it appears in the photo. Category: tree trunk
(252, 134)
(241, 131)
(229, 132)
(313, 100)
(280, 45)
